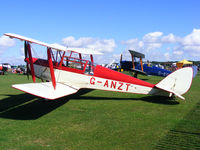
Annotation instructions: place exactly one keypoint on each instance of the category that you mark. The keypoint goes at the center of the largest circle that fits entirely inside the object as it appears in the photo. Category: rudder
(178, 82)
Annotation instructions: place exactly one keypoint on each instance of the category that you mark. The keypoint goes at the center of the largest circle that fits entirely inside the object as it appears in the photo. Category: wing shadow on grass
(28, 107)
(149, 99)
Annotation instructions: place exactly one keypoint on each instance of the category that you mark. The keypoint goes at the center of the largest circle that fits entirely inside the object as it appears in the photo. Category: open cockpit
(68, 61)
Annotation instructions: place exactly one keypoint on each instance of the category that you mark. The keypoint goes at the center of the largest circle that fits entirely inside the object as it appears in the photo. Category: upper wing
(53, 46)
(46, 90)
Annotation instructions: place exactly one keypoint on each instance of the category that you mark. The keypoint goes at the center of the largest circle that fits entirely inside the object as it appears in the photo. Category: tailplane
(178, 82)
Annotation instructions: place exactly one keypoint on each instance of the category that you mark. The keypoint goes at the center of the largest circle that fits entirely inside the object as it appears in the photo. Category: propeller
(26, 56)
(25, 49)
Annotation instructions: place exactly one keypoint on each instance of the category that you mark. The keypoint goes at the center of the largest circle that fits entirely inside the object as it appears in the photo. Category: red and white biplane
(67, 74)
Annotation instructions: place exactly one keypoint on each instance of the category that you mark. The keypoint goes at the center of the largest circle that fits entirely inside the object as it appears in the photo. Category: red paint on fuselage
(106, 73)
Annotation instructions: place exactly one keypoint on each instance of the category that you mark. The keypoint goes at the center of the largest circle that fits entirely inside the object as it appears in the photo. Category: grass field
(99, 120)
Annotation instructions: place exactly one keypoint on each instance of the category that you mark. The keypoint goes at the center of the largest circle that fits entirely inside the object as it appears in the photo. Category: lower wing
(46, 90)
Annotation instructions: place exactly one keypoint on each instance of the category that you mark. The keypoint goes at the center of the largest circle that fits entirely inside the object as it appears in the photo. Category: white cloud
(170, 38)
(5, 42)
(152, 41)
(178, 52)
(152, 37)
(134, 44)
(105, 45)
(193, 38)
(167, 45)
(152, 46)
(167, 56)
(107, 58)
(191, 42)
(72, 42)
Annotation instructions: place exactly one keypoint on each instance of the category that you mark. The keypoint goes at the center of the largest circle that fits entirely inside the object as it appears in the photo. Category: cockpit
(75, 62)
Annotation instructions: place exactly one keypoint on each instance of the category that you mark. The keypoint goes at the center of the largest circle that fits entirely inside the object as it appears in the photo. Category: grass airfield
(100, 120)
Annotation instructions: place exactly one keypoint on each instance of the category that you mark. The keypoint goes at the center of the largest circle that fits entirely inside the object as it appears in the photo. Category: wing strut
(141, 63)
(133, 63)
(31, 61)
(51, 67)
(92, 61)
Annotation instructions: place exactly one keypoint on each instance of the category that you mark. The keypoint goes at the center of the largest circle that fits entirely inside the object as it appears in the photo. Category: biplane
(64, 74)
(139, 68)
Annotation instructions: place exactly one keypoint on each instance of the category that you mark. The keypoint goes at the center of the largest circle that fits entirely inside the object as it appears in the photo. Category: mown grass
(97, 120)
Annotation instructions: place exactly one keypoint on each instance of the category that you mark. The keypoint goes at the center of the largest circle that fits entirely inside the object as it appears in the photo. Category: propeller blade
(25, 50)
(27, 70)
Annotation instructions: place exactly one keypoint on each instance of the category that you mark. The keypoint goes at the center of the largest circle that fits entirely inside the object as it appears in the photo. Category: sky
(164, 30)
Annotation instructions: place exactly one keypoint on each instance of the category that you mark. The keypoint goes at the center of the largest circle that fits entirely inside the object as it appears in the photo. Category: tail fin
(178, 82)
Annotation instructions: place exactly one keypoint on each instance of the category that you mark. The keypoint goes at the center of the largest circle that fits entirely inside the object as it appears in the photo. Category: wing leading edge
(46, 90)
(54, 46)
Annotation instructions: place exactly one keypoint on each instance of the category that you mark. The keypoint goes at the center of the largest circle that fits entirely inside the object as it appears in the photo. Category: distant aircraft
(140, 68)
(66, 74)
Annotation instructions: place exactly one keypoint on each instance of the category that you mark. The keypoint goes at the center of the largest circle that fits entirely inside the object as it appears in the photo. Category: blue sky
(162, 29)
